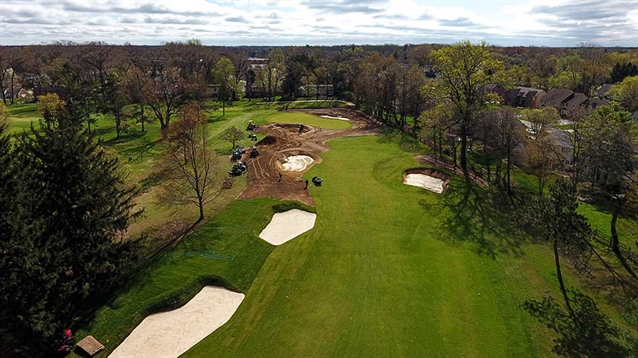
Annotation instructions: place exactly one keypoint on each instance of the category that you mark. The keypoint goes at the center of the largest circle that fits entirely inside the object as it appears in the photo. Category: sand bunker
(332, 117)
(286, 226)
(169, 334)
(297, 163)
(424, 181)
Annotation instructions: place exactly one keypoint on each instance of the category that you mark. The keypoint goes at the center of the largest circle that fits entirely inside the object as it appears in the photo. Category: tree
(542, 119)
(556, 218)
(626, 92)
(223, 76)
(188, 166)
(502, 132)
(541, 157)
(233, 135)
(609, 163)
(69, 211)
(464, 70)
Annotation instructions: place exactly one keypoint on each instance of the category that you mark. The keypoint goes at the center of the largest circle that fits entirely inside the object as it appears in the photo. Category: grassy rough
(226, 251)
(391, 270)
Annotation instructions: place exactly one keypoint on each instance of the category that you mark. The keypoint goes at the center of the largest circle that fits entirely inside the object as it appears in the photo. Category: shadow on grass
(589, 333)
(481, 217)
(127, 136)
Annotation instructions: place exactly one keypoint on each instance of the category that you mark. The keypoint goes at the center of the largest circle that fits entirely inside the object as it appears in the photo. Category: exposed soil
(283, 140)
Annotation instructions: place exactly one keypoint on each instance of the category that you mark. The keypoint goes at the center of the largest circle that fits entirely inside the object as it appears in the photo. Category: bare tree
(188, 166)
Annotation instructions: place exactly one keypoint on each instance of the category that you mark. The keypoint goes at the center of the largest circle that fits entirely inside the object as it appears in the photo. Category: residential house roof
(561, 138)
(635, 115)
(577, 100)
(597, 102)
(557, 96)
(603, 91)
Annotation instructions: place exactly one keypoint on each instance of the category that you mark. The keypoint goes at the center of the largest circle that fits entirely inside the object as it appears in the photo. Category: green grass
(231, 251)
(389, 270)
(308, 119)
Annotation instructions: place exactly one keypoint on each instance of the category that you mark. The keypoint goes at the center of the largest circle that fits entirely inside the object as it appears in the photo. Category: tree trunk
(559, 275)
(13, 73)
(615, 242)
(164, 130)
(200, 204)
(508, 169)
(223, 108)
(466, 172)
(142, 117)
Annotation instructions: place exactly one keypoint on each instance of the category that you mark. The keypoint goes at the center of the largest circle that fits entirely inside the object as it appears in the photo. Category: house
(257, 62)
(496, 89)
(563, 143)
(576, 101)
(25, 95)
(321, 90)
(635, 115)
(524, 97)
(556, 98)
(604, 91)
(594, 103)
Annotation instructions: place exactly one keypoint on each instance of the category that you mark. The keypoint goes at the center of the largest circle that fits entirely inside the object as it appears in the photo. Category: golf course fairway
(390, 270)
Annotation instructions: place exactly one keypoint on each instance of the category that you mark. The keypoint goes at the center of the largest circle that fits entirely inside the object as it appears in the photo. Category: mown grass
(225, 250)
(391, 270)
(308, 119)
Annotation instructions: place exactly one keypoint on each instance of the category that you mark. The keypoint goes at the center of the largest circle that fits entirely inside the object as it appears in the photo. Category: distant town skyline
(564, 23)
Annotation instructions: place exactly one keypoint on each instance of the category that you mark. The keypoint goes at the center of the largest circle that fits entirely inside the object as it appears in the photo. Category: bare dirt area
(285, 140)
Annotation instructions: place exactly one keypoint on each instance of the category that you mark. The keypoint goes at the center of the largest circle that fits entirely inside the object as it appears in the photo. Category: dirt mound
(267, 141)
(284, 140)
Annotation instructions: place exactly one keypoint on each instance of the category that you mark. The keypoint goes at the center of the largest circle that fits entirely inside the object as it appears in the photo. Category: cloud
(174, 20)
(236, 19)
(345, 6)
(461, 22)
(325, 22)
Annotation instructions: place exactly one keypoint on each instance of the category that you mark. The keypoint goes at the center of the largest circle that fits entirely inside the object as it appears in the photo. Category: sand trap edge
(158, 334)
(433, 173)
(286, 226)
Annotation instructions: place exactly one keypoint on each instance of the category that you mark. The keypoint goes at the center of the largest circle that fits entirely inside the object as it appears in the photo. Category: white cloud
(265, 22)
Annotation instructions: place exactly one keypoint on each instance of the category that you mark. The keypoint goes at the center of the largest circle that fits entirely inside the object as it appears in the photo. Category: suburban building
(524, 97)
(594, 103)
(257, 62)
(604, 91)
(496, 89)
(321, 91)
(578, 100)
(562, 141)
(565, 101)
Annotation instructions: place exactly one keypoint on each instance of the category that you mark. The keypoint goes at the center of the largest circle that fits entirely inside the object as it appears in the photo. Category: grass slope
(227, 247)
(309, 119)
(389, 270)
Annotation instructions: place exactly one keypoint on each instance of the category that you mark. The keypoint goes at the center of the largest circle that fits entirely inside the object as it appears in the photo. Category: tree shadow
(479, 216)
(589, 333)
(125, 137)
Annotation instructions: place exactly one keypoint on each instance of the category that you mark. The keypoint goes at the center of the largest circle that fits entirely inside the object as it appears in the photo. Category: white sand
(425, 182)
(169, 334)
(297, 163)
(286, 226)
(339, 118)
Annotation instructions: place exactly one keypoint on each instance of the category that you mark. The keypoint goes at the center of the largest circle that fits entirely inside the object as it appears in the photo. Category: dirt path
(283, 140)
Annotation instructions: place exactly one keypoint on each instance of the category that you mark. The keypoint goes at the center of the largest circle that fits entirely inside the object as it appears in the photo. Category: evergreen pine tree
(69, 210)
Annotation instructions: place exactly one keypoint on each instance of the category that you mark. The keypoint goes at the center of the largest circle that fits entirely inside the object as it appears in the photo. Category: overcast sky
(321, 22)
